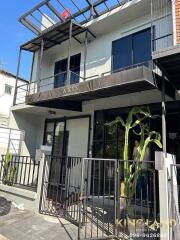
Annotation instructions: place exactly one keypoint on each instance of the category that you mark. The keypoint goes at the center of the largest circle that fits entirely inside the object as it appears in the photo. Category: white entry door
(78, 131)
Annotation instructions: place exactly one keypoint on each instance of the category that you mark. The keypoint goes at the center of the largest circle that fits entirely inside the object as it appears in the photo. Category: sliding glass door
(131, 50)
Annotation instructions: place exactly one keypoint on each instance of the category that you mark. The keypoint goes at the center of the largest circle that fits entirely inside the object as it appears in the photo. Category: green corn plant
(135, 118)
(146, 137)
(9, 170)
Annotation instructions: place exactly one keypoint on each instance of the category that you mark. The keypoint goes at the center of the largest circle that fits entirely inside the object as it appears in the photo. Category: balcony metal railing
(49, 83)
(162, 24)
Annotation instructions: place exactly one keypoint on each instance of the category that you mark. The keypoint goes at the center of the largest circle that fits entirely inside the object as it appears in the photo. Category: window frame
(7, 86)
(132, 50)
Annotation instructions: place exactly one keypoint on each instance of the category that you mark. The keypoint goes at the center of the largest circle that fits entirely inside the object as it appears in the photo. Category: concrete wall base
(25, 199)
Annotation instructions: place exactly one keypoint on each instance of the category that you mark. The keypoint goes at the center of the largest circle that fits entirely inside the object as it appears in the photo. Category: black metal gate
(61, 187)
(91, 193)
(106, 212)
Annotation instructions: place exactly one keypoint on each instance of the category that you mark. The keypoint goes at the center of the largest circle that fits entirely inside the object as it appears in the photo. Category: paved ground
(25, 225)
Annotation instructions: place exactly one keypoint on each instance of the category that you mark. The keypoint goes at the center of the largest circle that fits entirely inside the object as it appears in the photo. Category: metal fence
(108, 210)
(19, 171)
(92, 193)
(61, 187)
(161, 24)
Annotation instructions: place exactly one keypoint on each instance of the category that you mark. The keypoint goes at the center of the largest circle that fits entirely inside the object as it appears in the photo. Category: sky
(13, 34)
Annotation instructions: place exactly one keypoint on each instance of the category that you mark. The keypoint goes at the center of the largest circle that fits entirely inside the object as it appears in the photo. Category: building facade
(9, 138)
(92, 66)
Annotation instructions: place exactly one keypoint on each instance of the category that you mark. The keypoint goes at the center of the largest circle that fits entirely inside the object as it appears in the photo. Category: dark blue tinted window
(122, 53)
(142, 47)
(131, 50)
(60, 71)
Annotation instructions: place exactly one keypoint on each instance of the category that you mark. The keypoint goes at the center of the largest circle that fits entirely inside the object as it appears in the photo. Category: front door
(57, 137)
(68, 138)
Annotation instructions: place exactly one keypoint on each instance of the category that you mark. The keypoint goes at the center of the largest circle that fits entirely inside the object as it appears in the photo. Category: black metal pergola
(80, 11)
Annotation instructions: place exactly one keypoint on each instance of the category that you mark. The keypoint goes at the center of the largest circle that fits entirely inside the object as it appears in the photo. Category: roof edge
(12, 75)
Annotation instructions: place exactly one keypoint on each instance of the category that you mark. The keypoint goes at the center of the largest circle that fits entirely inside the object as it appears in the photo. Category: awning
(71, 97)
(55, 35)
(168, 60)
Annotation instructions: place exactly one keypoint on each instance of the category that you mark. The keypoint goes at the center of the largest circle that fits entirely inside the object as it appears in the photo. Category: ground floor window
(108, 143)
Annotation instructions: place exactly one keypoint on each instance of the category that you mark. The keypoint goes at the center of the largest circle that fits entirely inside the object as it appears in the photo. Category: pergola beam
(31, 26)
(34, 25)
(93, 10)
(53, 10)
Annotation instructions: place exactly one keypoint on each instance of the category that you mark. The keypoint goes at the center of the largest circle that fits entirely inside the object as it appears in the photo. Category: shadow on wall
(32, 125)
(5, 206)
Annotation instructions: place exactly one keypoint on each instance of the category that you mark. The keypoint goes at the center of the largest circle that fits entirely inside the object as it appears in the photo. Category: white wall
(33, 126)
(10, 139)
(6, 100)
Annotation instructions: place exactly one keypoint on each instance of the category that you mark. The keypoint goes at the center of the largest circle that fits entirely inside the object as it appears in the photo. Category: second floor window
(131, 50)
(8, 89)
(61, 71)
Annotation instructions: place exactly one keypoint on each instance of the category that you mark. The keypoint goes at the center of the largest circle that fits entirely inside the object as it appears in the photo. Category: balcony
(136, 78)
(68, 87)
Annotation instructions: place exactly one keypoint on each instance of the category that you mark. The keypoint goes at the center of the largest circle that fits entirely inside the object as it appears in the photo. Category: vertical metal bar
(85, 53)
(31, 76)
(22, 159)
(17, 77)
(154, 197)
(115, 195)
(148, 205)
(24, 181)
(152, 35)
(69, 55)
(109, 193)
(33, 174)
(40, 65)
(42, 185)
(37, 174)
(172, 169)
(29, 171)
(104, 184)
(86, 200)
(163, 116)
(81, 198)
(32, 66)
(14, 177)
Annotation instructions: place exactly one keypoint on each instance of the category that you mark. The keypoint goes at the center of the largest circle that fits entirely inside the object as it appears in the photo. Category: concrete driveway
(25, 225)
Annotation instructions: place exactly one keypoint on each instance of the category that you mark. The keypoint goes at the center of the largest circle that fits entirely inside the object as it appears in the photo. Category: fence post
(81, 199)
(163, 165)
(42, 165)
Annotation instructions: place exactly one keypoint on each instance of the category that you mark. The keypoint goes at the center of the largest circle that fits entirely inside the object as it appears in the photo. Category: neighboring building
(9, 137)
(89, 67)
(7, 87)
